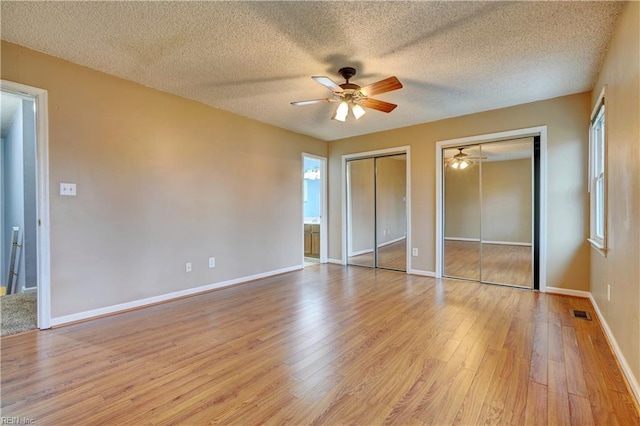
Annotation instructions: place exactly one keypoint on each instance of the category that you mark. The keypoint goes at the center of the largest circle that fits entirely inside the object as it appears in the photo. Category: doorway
(314, 209)
(490, 204)
(24, 213)
(18, 255)
(377, 211)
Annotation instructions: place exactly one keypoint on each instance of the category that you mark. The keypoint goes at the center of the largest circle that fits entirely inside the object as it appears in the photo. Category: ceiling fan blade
(379, 105)
(382, 86)
(328, 83)
(311, 102)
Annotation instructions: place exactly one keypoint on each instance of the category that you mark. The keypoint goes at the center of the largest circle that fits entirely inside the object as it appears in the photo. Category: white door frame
(389, 151)
(324, 249)
(494, 137)
(42, 181)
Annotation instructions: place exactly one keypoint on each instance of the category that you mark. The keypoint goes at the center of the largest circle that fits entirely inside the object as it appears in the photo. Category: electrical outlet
(608, 292)
(187, 267)
(414, 251)
(212, 262)
(68, 189)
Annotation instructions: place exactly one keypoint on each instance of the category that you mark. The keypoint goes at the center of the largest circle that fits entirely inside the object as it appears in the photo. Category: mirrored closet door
(462, 213)
(376, 212)
(489, 210)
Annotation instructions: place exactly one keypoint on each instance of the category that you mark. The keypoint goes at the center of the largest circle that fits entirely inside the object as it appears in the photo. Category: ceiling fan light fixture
(463, 164)
(353, 96)
(455, 164)
(357, 110)
(341, 111)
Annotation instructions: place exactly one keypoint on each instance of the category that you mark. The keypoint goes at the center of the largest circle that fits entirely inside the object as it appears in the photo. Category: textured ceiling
(254, 58)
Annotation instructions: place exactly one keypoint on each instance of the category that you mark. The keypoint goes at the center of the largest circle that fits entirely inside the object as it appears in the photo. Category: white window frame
(598, 175)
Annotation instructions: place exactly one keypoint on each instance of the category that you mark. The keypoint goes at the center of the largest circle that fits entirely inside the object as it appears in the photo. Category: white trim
(508, 135)
(568, 292)
(626, 369)
(42, 181)
(598, 103)
(422, 273)
(406, 149)
(335, 261)
(598, 243)
(377, 153)
(507, 243)
(107, 310)
(471, 240)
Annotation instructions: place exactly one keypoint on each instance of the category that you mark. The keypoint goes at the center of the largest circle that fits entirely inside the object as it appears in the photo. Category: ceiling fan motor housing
(347, 73)
(350, 92)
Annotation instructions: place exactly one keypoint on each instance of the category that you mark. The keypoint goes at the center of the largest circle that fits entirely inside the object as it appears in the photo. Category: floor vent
(580, 314)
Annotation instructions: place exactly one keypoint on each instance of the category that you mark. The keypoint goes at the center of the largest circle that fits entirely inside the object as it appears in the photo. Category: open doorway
(18, 215)
(24, 207)
(314, 209)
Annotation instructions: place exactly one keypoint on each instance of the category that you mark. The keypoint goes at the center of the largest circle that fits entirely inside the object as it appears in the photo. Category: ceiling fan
(462, 160)
(351, 96)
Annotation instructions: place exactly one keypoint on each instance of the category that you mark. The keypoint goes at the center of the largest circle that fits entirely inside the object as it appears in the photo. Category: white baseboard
(421, 273)
(359, 252)
(626, 369)
(81, 316)
(335, 261)
(386, 243)
(474, 240)
(568, 292)
(506, 243)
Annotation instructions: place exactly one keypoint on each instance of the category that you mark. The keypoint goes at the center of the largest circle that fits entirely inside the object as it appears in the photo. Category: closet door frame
(541, 207)
(372, 154)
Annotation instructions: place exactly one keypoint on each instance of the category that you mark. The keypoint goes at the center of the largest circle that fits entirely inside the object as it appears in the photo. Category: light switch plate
(68, 189)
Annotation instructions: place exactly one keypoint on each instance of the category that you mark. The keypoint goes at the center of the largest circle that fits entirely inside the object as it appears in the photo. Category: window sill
(601, 248)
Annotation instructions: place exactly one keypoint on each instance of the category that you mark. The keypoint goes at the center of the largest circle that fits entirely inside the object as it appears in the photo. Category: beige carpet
(18, 313)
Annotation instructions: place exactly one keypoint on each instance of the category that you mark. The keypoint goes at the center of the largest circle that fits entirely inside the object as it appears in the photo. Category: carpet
(18, 313)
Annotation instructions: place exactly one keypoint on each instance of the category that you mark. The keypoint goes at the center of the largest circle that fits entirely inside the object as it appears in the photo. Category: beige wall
(506, 201)
(391, 187)
(621, 266)
(161, 181)
(566, 118)
(462, 202)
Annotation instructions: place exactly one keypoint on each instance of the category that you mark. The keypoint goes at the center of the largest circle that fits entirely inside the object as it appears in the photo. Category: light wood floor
(325, 345)
(392, 256)
(501, 263)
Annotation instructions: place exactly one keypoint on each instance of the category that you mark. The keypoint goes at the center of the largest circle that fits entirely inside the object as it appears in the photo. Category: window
(597, 175)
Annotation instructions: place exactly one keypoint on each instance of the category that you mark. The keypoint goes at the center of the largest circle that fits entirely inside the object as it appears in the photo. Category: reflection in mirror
(507, 222)
(462, 212)
(391, 229)
(360, 212)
